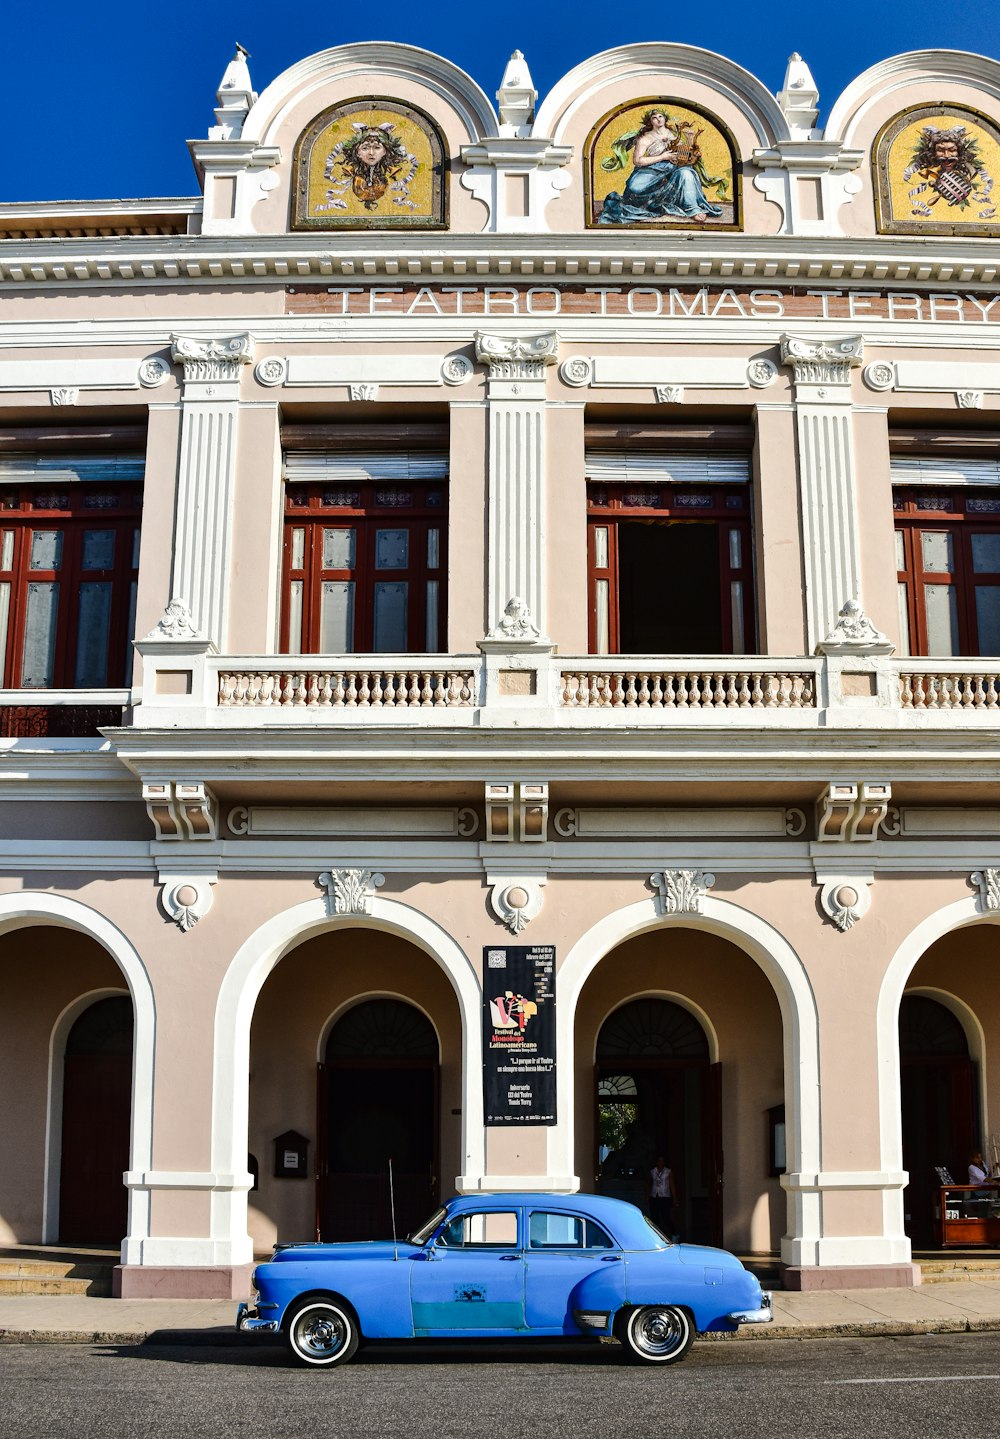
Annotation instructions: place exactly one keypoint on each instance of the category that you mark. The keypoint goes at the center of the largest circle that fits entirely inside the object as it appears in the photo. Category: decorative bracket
(681, 891)
(852, 811)
(181, 810)
(988, 883)
(516, 899)
(350, 891)
(517, 812)
(845, 898)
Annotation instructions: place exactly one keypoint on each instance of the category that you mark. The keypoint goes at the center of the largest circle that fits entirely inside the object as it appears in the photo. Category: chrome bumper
(762, 1315)
(250, 1320)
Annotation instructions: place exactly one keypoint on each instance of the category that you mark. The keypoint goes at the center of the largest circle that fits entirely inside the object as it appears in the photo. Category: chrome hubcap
(658, 1332)
(321, 1335)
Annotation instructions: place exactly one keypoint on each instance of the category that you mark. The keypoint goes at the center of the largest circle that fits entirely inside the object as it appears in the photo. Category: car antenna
(392, 1211)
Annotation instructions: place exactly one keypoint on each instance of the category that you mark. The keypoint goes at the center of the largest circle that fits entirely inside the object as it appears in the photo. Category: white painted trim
(519, 1184)
(898, 72)
(800, 1029)
(29, 907)
(682, 1002)
(185, 1179)
(238, 994)
(354, 1001)
(951, 917)
(975, 1037)
(53, 1110)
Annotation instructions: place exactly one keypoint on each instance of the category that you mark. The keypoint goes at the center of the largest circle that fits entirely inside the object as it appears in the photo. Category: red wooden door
(93, 1200)
(714, 1176)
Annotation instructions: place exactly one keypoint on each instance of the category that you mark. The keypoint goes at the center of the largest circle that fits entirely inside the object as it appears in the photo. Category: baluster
(428, 689)
(756, 693)
(781, 692)
(631, 697)
(312, 693)
(567, 696)
(905, 691)
(225, 689)
(718, 691)
(616, 691)
(991, 692)
(732, 699)
(669, 691)
(980, 693)
(644, 691)
(680, 690)
(656, 692)
(352, 690)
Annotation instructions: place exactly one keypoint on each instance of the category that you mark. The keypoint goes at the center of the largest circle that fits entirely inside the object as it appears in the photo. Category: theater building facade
(500, 625)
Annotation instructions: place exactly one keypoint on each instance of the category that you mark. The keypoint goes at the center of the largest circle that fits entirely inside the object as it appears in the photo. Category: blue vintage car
(502, 1265)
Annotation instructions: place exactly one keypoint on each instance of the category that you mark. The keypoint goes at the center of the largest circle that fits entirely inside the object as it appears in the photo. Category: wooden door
(93, 1200)
(714, 1165)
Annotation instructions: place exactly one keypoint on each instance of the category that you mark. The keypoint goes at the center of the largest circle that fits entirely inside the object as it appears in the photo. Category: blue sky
(98, 100)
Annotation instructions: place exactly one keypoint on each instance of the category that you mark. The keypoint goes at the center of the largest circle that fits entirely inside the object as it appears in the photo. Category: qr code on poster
(496, 958)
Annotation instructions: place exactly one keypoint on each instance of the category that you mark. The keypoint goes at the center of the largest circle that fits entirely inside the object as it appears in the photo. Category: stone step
(943, 1271)
(40, 1285)
(58, 1273)
(51, 1269)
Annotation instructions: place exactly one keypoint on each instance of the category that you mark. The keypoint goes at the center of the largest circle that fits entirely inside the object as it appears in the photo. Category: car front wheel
(322, 1333)
(656, 1333)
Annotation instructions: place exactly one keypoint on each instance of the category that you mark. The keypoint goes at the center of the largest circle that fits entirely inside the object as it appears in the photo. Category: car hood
(701, 1254)
(364, 1249)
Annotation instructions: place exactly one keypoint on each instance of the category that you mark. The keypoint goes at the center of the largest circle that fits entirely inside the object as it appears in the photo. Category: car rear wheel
(322, 1333)
(656, 1333)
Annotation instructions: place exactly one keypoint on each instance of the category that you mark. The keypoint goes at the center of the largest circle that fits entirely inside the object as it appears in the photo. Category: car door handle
(611, 1259)
(509, 1258)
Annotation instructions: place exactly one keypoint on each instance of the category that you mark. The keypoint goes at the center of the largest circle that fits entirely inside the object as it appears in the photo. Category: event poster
(519, 1034)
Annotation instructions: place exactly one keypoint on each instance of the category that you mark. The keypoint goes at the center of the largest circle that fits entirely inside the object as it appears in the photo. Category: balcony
(60, 714)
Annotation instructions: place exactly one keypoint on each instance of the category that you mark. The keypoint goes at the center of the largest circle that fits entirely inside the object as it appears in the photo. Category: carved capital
(681, 891)
(181, 810)
(516, 899)
(822, 362)
(987, 881)
(350, 891)
(854, 633)
(517, 357)
(221, 360)
(176, 623)
(845, 898)
(852, 811)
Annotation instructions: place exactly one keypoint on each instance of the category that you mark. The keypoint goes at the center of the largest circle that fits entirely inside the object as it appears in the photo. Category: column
(516, 584)
(206, 482)
(831, 540)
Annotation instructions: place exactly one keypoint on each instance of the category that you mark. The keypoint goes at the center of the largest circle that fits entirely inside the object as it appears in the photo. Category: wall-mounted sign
(519, 1034)
(291, 1155)
(369, 165)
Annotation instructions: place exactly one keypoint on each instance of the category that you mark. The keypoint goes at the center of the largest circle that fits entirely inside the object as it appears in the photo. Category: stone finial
(799, 97)
(516, 97)
(235, 96)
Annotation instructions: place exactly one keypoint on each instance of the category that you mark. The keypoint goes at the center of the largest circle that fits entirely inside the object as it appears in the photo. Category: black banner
(519, 1034)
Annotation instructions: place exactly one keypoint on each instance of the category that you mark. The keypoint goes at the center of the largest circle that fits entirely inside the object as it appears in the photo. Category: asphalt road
(917, 1387)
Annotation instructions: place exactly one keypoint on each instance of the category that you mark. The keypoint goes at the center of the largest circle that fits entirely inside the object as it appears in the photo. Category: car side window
(598, 1238)
(489, 1229)
(547, 1230)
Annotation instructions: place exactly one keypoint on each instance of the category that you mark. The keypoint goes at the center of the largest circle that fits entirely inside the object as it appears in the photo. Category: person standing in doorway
(662, 1197)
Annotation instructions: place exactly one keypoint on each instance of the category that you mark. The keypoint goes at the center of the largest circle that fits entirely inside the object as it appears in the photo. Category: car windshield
(421, 1235)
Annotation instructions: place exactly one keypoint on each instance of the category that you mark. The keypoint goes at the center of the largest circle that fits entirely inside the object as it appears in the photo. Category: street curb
(228, 1338)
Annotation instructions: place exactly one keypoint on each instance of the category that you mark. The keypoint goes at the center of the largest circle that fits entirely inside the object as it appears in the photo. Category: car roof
(627, 1223)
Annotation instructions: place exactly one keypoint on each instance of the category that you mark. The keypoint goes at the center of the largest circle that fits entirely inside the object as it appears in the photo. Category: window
(948, 569)
(565, 1231)
(69, 558)
(670, 554)
(494, 1229)
(364, 556)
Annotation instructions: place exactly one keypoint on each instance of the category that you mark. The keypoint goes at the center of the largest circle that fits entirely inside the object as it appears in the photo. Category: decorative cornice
(821, 361)
(212, 359)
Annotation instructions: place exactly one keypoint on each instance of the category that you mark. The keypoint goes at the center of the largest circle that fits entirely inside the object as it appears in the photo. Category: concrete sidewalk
(963, 1305)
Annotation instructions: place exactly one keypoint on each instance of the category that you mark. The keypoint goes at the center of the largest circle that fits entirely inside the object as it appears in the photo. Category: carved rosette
(456, 369)
(879, 375)
(517, 357)
(681, 891)
(822, 362)
(271, 371)
(153, 371)
(987, 881)
(221, 360)
(761, 373)
(577, 371)
(350, 891)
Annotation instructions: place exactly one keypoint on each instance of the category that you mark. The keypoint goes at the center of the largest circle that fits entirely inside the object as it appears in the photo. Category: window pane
(390, 618)
(602, 644)
(40, 635)
(433, 549)
(735, 550)
(555, 1231)
(98, 549)
(93, 621)
(433, 642)
(135, 548)
(338, 549)
(133, 591)
(937, 552)
(904, 620)
(391, 549)
(336, 617)
(46, 549)
(299, 549)
(601, 548)
(988, 618)
(7, 550)
(736, 603)
(4, 621)
(941, 608)
(986, 554)
(295, 617)
(597, 1238)
(900, 551)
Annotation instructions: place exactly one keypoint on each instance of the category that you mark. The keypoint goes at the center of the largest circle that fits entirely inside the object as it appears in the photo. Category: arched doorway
(96, 1111)
(939, 1094)
(657, 1092)
(378, 1101)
